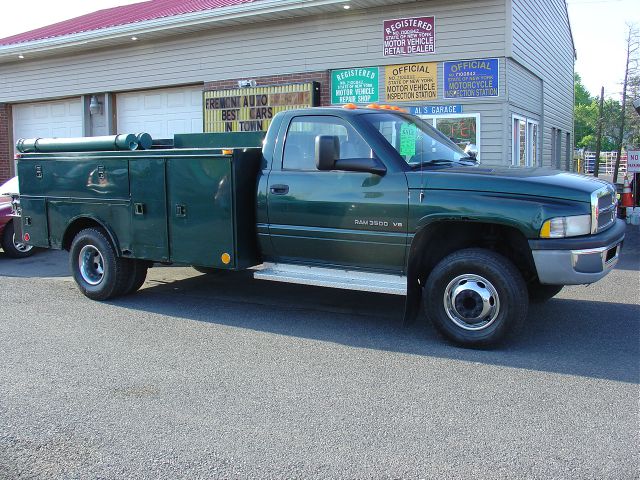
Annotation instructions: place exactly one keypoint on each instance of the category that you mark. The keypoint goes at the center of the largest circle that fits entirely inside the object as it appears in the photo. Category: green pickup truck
(356, 198)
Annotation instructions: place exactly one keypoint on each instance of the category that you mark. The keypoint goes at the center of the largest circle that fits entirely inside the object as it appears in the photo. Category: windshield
(417, 142)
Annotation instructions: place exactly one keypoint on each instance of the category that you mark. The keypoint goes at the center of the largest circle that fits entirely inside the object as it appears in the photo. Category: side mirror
(327, 151)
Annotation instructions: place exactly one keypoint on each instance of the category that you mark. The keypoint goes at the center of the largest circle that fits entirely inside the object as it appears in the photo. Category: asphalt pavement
(222, 376)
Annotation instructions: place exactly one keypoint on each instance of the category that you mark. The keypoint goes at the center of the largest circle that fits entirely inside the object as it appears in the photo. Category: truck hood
(540, 182)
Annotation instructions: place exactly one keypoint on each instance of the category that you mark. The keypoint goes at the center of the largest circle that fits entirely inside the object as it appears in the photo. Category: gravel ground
(226, 377)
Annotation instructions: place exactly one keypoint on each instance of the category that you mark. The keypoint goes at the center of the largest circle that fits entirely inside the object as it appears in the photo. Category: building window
(462, 128)
(556, 147)
(526, 139)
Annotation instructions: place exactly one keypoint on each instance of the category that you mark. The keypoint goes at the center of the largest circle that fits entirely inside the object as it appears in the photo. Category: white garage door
(160, 113)
(60, 118)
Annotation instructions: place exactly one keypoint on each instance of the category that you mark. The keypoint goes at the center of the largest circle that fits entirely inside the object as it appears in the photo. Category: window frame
(531, 157)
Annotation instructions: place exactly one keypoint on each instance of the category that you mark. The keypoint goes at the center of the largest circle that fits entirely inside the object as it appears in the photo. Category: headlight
(561, 227)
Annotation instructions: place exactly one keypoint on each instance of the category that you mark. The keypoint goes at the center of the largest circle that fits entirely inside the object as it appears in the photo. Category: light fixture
(346, 7)
(21, 56)
(134, 38)
(95, 106)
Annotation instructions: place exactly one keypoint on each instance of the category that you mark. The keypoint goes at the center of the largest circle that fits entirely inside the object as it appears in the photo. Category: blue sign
(435, 109)
(471, 78)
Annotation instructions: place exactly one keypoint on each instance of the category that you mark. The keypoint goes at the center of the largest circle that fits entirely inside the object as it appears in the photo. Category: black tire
(101, 274)
(13, 248)
(539, 293)
(483, 291)
(136, 277)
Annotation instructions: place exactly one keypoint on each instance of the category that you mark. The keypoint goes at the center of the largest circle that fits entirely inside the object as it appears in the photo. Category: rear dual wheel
(475, 298)
(98, 271)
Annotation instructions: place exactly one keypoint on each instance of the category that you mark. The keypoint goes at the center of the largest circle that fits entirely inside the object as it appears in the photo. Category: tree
(581, 94)
(633, 45)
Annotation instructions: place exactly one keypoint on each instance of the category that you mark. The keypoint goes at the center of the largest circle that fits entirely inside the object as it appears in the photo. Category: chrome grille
(604, 205)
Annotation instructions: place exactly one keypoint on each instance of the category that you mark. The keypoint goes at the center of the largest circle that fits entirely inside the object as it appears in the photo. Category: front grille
(604, 203)
(605, 219)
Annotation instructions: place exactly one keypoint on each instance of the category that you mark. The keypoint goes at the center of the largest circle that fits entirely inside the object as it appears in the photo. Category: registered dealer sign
(409, 36)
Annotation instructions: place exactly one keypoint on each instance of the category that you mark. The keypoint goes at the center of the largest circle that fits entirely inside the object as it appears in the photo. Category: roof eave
(93, 37)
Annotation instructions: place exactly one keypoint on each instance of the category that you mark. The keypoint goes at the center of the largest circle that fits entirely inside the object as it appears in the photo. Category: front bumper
(576, 261)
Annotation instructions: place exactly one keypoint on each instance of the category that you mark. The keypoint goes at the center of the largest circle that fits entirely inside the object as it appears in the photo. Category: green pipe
(144, 141)
(84, 144)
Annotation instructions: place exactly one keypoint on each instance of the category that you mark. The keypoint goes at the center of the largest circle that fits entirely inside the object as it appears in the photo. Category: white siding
(463, 30)
(541, 42)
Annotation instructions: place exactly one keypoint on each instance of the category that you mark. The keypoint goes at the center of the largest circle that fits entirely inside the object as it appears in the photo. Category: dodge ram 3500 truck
(366, 199)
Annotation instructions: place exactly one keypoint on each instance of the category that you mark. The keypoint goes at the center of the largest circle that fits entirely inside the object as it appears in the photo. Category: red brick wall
(6, 150)
(321, 77)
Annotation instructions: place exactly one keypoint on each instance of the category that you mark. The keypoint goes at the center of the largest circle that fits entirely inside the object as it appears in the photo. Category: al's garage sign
(409, 36)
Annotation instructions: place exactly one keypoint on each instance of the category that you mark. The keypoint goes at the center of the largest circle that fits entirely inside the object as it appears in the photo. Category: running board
(333, 278)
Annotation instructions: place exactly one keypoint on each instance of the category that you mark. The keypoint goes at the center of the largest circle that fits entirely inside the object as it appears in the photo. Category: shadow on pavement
(574, 337)
(42, 264)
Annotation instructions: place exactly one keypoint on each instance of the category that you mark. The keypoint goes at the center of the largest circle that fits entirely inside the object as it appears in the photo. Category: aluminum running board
(334, 278)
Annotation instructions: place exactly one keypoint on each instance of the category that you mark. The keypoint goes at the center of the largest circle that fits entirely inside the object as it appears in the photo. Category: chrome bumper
(575, 267)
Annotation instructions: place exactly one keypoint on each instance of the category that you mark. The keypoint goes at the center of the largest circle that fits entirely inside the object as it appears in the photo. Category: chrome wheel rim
(21, 246)
(471, 302)
(91, 265)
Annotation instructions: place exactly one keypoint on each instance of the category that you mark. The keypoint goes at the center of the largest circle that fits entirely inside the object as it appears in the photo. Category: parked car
(12, 246)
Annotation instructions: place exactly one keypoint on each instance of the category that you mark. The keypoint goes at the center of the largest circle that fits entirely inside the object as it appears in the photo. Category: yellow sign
(251, 109)
(411, 82)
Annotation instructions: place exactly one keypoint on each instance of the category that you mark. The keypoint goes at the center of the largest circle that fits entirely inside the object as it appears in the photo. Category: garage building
(494, 75)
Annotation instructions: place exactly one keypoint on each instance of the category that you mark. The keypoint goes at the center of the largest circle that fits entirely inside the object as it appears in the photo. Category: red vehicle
(13, 247)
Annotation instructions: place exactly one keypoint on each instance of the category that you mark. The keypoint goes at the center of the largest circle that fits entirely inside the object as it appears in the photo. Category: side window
(299, 147)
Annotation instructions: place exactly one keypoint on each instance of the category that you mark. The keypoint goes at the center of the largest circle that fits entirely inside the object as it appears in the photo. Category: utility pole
(596, 165)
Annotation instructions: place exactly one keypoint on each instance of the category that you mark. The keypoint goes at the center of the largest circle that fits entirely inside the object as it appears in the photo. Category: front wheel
(98, 271)
(475, 298)
(12, 246)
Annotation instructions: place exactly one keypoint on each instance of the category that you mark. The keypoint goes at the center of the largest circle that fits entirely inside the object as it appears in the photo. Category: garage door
(60, 118)
(161, 113)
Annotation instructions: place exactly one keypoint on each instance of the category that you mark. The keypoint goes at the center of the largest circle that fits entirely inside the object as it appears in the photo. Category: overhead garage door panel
(161, 113)
(61, 118)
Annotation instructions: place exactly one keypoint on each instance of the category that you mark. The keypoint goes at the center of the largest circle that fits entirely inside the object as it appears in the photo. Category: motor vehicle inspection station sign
(471, 78)
(409, 36)
(355, 85)
(411, 82)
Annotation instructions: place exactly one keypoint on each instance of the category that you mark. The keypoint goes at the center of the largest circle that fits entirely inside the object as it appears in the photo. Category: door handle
(279, 189)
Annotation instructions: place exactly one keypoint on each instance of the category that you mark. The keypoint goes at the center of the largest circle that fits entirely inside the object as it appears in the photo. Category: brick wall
(6, 150)
(321, 77)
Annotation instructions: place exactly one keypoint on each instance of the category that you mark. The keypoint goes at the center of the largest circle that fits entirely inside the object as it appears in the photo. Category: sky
(598, 26)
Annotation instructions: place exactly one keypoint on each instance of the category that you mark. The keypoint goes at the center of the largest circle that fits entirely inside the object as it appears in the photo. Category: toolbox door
(200, 209)
(149, 235)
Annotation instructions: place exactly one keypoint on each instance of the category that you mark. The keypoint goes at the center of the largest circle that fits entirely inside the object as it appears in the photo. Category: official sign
(633, 161)
(435, 109)
(409, 36)
(355, 85)
(411, 82)
(251, 109)
(471, 78)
